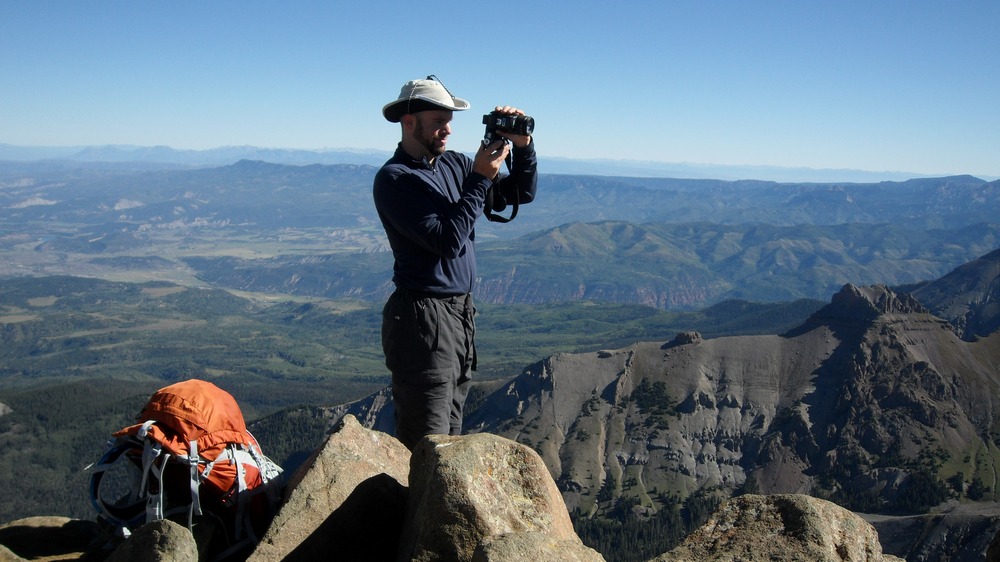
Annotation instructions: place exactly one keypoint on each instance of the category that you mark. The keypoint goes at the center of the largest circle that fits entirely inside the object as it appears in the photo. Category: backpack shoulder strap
(193, 459)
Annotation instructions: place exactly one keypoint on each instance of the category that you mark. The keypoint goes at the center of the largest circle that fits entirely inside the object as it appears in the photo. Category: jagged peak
(878, 299)
(684, 338)
(864, 304)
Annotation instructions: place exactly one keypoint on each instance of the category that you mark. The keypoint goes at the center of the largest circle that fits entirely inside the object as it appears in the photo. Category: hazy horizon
(119, 153)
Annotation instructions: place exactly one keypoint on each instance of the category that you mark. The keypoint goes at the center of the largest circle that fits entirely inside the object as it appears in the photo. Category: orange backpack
(191, 454)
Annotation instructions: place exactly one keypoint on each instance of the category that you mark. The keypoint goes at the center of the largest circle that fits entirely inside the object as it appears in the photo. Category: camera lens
(528, 125)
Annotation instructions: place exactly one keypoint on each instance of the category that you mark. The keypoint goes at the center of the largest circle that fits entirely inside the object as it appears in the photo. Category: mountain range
(339, 196)
(129, 156)
(672, 244)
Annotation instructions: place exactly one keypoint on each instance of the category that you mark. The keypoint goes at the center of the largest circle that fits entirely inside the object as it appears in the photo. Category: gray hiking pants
(429, 346)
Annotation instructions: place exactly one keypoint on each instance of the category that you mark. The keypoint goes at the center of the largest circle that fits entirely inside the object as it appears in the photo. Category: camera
(515, 124)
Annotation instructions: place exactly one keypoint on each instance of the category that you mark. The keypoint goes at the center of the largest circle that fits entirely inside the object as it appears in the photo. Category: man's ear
(407, 121)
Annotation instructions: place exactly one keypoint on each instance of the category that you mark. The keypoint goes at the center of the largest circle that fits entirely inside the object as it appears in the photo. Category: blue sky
(871, 85)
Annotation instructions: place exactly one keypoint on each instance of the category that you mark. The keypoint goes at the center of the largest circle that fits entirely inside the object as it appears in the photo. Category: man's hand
(520, 141)
(489, 159)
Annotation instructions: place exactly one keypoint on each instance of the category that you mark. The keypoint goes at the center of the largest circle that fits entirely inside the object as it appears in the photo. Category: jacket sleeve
(523, 178)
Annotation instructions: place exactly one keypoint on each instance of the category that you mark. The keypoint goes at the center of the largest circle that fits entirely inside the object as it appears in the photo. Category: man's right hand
(489, 159)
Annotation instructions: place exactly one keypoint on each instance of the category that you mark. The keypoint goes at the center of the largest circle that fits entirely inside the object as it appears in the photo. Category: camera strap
(493, 217)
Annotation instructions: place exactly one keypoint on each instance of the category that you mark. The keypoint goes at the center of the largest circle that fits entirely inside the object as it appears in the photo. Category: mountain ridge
(969, 296)
(164, 155)
(683, 243)
(945, 201)
(666, 266)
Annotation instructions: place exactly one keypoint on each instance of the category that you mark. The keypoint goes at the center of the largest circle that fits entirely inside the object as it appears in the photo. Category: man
(428, 199)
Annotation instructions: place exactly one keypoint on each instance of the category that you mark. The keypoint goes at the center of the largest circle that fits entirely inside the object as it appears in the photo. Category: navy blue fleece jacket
(429, 213)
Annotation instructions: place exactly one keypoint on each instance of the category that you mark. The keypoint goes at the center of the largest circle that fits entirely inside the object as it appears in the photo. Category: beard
(433, 145)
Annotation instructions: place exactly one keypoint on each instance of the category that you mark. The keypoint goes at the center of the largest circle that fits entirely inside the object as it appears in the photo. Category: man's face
(431, 130)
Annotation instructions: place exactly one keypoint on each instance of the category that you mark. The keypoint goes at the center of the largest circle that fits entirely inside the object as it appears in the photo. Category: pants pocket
(410, 330)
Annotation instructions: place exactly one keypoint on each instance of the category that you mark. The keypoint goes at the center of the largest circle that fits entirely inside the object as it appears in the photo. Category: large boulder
(533, 545)
(468, 491)
(7, 555)
(782, 527)
(159, 541)
(348, 498)
(42, 537)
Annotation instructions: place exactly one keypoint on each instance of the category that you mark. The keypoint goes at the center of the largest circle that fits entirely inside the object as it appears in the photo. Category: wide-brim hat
(422, 95)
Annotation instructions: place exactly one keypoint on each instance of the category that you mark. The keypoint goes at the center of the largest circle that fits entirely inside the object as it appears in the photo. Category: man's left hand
(519, 141)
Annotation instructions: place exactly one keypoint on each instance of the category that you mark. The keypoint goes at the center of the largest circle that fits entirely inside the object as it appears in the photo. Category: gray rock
(786, 527)
(518, 547)
(685, 338)
(348, 498)
(159, 541)
(471, 489)
(7, 556)
(34, 538)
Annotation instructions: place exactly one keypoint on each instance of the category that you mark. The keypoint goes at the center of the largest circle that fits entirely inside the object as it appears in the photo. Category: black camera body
(514, 124)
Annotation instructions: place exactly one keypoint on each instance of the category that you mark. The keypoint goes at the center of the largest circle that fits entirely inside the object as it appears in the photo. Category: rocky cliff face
(871, 383)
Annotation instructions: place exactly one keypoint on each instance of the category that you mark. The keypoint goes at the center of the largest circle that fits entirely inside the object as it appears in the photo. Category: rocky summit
(478, 498)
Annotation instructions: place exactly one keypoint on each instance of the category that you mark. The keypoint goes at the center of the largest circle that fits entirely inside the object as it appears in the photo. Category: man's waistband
(462, 297)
